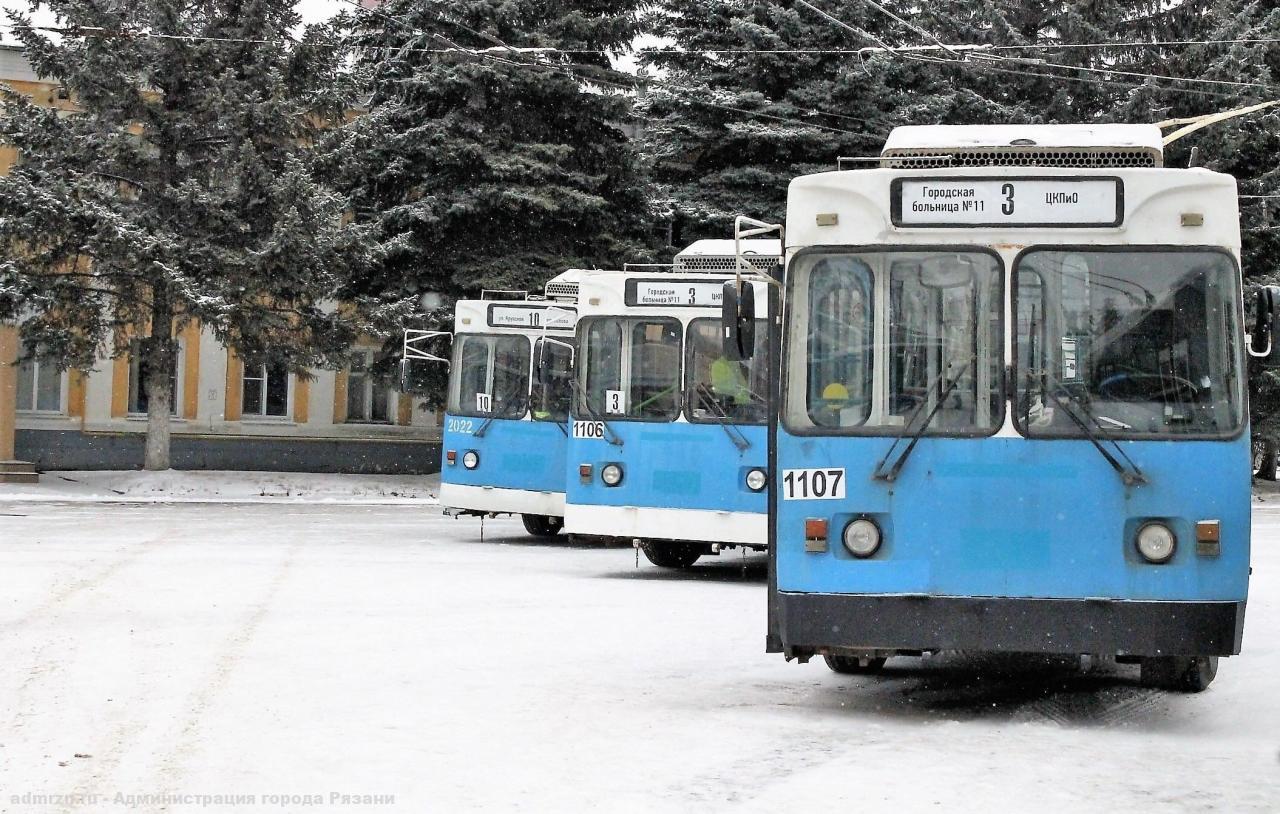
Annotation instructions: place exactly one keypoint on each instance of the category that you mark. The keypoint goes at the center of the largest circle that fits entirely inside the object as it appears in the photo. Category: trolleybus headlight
(471, 459)
(611, 474)
(862, 537)
(756, 480)
(1156, 542)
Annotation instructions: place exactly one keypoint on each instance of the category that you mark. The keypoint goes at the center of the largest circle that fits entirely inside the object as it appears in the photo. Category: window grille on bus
(1116, 157)
(704, 262)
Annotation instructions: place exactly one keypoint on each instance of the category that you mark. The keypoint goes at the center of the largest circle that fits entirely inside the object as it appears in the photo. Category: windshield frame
(1000, 346)
(455, 370)
(1242, 389)
(579, 407)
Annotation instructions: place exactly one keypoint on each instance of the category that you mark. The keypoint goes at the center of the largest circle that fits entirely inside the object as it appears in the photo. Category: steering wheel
(1138, 387)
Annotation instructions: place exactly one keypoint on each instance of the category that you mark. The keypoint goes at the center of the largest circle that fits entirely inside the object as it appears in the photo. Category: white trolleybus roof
(1008, 186)
(553, 312)
(693, 280)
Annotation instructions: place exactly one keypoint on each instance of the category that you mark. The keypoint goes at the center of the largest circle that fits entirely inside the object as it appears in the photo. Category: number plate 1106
(812, 484)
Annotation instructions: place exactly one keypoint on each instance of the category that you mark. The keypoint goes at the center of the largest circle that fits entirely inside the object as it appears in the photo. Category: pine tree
(483, 162)
(727, 124)
(178, 188)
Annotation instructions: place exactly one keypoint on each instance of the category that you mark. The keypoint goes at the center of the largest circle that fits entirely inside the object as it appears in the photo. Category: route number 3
(812, 484)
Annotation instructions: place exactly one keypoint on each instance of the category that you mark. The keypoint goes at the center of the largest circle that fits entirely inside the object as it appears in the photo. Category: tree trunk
(160, 354)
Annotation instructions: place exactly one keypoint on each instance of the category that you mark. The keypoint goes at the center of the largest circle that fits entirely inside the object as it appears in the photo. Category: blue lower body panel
(1015, 544)
(514, 457)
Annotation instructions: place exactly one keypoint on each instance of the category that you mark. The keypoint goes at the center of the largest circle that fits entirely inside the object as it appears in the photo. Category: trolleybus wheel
(852, 665)
(541, 525)
(1183, 673)
(671, 555)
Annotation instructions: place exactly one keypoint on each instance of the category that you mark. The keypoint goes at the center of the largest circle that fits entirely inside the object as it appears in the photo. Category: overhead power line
(973, 53)
(567, 69)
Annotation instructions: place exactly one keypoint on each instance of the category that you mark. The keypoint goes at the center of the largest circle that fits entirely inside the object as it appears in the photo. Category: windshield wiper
(613, 438)
(1133, 476)
(722, 418)
(484, 426)
(892, 474)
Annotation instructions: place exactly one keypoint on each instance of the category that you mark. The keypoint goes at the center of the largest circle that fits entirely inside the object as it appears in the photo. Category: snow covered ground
(225, 487)
(276, 652)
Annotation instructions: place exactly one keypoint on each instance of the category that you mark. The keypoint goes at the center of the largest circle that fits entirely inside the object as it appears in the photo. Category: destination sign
(532, 316)
(679, 292)
(675, 292)
(1019, 202)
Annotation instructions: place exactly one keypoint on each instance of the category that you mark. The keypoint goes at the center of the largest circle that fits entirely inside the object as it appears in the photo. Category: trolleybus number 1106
(588, 429)
(812, 484)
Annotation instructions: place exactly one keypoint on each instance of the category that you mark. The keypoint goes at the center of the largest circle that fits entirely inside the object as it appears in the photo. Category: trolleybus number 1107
(812, 484)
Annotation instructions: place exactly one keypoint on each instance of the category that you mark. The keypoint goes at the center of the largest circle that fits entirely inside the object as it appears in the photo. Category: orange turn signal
(815, 528)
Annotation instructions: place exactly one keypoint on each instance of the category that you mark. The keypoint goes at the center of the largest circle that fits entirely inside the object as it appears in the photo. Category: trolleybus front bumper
(806, 624)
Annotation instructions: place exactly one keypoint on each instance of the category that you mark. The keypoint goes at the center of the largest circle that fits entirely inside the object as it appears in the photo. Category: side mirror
(738, 321)
(1264, 343)
(417, 380)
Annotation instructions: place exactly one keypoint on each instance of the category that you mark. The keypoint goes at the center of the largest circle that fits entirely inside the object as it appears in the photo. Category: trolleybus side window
(938, 319)
(1134, 343)
(551, 396)
(719, 388)
(632, 368)
(492, 376)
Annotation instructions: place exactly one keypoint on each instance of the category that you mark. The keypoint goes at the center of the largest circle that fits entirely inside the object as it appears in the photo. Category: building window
(368, 396)
(139, 372)
(39, 387)
(266, 391)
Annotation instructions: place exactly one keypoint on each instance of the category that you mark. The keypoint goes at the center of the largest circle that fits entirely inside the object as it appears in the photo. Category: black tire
(1179, 673)
(541, 525)
(671, 554)
(1264, 458)
(853, 666)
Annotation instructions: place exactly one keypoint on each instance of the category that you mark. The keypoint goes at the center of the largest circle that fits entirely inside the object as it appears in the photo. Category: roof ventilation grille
(1022, 156)
(722, 263)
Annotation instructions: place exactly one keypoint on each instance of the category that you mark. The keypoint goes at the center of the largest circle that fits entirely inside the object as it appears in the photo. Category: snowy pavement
(213, 486)
(279, 654)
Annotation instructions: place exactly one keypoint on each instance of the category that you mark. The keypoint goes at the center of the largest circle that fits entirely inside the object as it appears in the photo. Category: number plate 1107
(812, 484)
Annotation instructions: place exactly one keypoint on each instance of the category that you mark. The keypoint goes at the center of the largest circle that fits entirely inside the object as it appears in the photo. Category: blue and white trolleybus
(1011, 414)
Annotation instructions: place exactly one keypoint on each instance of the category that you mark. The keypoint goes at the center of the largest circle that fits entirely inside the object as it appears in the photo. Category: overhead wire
(968, 60)
(566, 69)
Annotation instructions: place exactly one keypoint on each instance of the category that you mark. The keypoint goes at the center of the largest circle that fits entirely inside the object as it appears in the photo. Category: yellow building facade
(226, 415)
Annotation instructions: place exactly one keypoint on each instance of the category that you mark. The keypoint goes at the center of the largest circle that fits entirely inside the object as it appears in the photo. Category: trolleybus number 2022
(813, 484)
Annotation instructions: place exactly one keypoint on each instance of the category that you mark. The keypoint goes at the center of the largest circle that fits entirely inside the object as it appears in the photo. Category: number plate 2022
(812, 484)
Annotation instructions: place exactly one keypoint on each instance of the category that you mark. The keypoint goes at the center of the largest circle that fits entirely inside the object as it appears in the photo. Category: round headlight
(471, 459)
(757, 480)
(862, 537)
(611, 474)
(1156, 542)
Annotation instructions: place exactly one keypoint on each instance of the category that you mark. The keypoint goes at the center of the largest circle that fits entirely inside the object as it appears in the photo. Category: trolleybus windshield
(551, 395)
(937, 316)
(718, 388)
(632, 368)
(491, 376)
(1145, 343)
